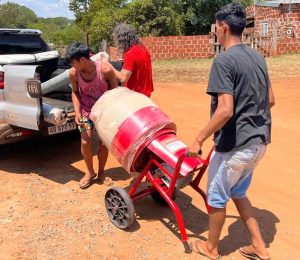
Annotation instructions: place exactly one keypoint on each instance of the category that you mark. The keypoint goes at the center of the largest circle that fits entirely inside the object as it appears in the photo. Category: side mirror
(34, 88)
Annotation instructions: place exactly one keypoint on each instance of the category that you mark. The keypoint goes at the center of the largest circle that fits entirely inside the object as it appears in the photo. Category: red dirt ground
(44, 215)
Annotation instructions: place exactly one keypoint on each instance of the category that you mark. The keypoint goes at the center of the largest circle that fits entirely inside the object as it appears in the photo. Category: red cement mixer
(143, 139)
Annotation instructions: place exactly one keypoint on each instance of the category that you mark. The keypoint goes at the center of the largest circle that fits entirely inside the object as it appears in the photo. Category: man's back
(137, 60)
(242, 72)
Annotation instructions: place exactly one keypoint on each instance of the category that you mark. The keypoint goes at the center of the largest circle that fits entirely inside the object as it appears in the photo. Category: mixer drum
(125, 120)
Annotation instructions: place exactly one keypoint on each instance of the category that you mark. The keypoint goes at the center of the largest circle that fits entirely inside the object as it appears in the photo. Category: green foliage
(48, 29)
(153, 17)
(97, 18)
(80, 10)
(67, 35)
(16, 16)
(149, 17)
(79, 7)
(198, 15)
(58, 31)
(59, 21)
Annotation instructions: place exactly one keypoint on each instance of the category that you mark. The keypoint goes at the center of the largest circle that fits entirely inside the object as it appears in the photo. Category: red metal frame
(167, 192)
(195, 183)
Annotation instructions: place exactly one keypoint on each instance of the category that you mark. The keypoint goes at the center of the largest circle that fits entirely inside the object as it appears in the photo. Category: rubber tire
(122, 217)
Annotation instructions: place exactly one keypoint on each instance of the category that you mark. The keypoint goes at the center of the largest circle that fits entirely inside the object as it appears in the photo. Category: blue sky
(46, 8)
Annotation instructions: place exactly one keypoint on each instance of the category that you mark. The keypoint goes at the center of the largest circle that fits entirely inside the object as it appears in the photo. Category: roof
(276, 3)
(19, 31)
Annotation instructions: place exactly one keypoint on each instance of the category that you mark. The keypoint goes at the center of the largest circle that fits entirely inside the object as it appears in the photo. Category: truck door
(20, 109)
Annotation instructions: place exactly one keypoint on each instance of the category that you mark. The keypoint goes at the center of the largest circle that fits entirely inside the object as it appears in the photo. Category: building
(275, 26)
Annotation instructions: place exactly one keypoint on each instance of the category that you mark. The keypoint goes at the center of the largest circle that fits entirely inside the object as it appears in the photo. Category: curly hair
(124, 37)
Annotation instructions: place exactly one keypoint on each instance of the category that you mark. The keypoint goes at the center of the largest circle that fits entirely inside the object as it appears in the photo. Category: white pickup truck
(26, 63)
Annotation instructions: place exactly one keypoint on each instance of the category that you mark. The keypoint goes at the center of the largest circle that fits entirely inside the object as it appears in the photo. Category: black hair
(234, 15)
(77, 50)
(124, 37)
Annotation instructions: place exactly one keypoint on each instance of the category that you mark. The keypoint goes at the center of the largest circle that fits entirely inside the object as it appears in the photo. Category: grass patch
(195, 71)
(286, 66)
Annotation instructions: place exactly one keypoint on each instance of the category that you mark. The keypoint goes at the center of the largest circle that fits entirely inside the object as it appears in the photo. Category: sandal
(252, 256)
(194, 246)
(87, 183)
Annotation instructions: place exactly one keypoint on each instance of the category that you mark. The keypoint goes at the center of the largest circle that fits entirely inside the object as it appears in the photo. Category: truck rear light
(18, 134)
(25, 133)
(1, 80)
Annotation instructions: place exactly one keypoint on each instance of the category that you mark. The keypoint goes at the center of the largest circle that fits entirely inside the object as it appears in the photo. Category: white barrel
(124, 120)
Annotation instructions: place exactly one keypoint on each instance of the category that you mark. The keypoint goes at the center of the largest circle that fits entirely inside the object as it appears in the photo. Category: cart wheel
(160, 200)
(119, 207)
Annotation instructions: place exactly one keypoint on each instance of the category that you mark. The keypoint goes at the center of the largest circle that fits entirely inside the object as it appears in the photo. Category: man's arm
(271, 96)
(109, 75)
(75, 95)
(220, 117)
(123, 76)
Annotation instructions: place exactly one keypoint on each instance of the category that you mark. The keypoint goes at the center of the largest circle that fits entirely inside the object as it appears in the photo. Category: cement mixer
(143, 139)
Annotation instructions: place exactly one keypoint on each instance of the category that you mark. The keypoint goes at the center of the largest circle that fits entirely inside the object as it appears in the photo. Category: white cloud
(46, 8)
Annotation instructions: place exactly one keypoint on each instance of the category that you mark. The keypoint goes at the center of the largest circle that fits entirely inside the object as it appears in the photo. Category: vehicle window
(21, 43)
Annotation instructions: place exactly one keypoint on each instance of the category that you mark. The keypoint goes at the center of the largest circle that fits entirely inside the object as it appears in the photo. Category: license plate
(52, 130)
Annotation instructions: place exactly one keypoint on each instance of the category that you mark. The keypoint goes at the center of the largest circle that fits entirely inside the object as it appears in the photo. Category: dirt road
(44, 215)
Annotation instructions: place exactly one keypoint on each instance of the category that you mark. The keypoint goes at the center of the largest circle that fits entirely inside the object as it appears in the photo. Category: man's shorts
(87, 124)
(230, 174)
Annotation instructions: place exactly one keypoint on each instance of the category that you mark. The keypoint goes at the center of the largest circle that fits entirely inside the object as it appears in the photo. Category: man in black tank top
(241, 97)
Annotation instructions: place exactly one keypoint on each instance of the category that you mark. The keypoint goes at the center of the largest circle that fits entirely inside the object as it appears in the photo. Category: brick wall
(283, 26)
(175, 47)
(200, 46)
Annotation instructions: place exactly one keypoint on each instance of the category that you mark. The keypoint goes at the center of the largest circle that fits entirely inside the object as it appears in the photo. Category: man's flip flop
(252, 256)
(87, 183)
(194, 246)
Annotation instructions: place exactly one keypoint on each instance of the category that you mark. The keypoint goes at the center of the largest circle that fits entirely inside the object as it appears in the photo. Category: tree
(79, 7)
(149, 17)
(97, 18)
(16, 16)
(68, 35)
(198, 15)
(154, 17)
(59, 30)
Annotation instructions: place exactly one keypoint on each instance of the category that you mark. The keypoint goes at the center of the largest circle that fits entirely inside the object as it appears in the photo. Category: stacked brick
(175, 47)
(179, 47)
(283, 26)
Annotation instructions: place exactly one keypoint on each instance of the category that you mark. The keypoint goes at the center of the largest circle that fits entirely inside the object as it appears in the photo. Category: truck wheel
(119, 207)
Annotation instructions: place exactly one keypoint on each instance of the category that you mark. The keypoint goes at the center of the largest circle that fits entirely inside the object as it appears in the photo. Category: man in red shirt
(136, 73)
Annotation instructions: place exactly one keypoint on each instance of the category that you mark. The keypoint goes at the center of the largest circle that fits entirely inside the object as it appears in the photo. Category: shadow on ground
(117, 174)
(50, 157)
(238, 235)
(195, 220)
